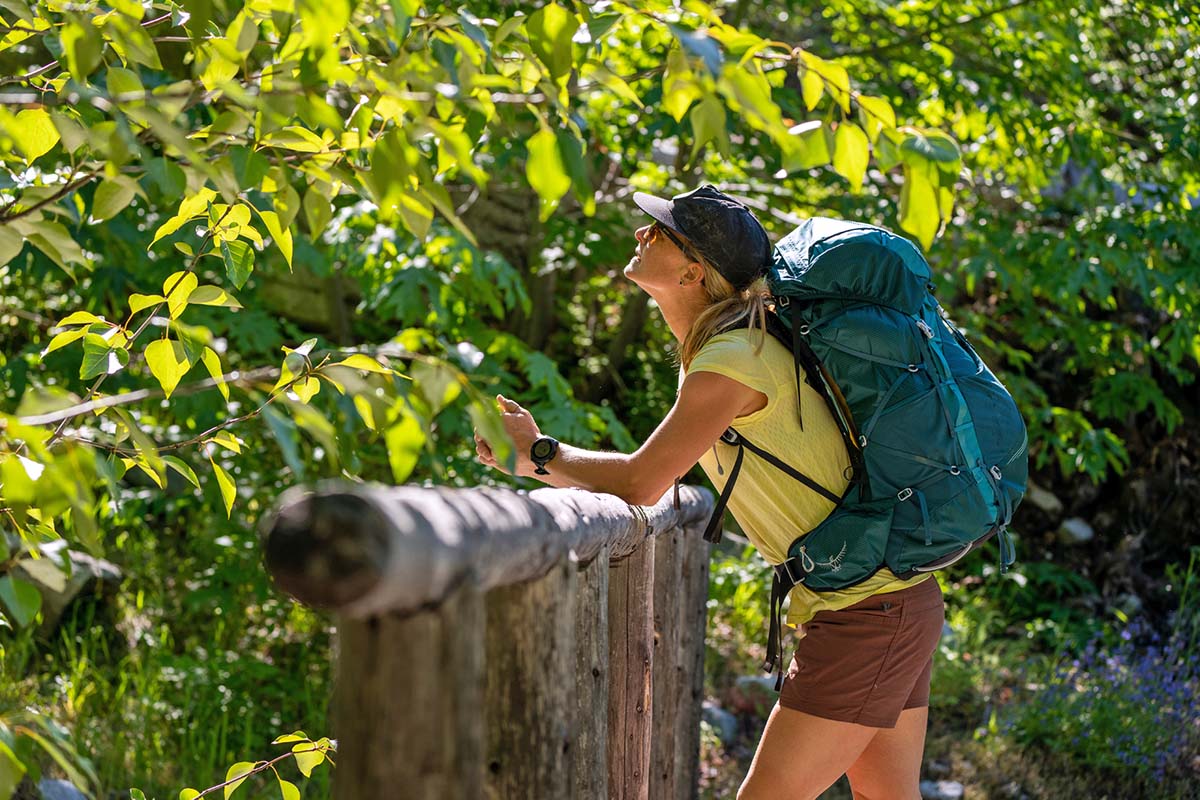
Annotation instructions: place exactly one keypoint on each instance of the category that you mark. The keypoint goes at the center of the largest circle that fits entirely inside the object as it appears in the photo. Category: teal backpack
(937, 447)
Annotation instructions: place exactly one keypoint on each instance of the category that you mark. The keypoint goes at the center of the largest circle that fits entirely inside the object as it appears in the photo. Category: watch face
(542, 448)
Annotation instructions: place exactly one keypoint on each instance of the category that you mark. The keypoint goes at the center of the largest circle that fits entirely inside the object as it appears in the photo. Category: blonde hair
(727, 308)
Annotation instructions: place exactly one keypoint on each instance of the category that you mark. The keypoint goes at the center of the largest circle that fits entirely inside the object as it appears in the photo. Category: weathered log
(631, 642)
(694, 586)
(365, 549)
(669, 669)
(406, 704)
(529, 696)
(591, 679)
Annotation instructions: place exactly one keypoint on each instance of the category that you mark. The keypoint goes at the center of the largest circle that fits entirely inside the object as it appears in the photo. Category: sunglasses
(658, 227)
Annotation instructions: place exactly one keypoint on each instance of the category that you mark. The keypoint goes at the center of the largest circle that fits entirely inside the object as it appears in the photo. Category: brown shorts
(870, 661)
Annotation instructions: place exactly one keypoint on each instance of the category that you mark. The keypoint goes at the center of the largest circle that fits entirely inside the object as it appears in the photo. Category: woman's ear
(693, 274)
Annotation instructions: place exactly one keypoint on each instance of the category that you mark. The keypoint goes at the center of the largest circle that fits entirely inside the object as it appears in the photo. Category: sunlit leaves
(21, 598)
(34, 133)
(112, 196)
(177, 289)
(101, 356)
(235, 775)
(918, 206)
(708, 125)
(850, 154)
(239, 261)
(225, 485)
(168, 363)
(404, 439)
(875, 114)
(550, 30)
(545, 170)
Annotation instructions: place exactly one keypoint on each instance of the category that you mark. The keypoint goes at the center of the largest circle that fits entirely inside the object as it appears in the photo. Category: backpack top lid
(826, 257)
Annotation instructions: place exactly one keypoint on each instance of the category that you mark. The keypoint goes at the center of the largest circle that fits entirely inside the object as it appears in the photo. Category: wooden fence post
(400, 678)
(694, 588)
(591, 675)
(631, 644)
(530, 691)
(669, 686)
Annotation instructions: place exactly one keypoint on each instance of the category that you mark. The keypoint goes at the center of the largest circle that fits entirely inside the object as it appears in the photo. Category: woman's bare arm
(707, 404)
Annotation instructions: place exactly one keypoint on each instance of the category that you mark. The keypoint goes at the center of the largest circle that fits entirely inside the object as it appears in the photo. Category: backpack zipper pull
(717, 455)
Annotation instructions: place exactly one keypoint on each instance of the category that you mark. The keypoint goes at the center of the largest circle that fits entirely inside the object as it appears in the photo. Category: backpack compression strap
(713, 532)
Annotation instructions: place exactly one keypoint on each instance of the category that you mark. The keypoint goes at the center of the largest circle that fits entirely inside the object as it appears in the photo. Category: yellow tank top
(772, 508)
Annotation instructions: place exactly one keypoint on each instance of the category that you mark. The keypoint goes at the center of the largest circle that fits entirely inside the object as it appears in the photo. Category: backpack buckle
(904, 494)
(785, 569)
(730, 437)
(783, 302)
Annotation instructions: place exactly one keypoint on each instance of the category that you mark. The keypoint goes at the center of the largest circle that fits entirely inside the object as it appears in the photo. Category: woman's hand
(521, 428)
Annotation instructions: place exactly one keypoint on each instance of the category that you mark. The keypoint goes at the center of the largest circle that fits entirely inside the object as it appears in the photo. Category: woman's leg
(800, 756)
(890, 766)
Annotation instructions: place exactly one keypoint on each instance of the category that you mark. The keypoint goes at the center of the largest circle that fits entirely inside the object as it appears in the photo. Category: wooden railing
(497, 644)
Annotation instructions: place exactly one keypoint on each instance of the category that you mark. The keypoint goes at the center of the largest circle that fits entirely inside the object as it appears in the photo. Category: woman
(855, 699)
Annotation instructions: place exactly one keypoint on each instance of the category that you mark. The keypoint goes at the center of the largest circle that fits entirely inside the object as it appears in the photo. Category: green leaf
(34, 133)
(11, 244)
(239, 261)
(137, 794)
(168, 362)
(139, 302)
(438, 383)
(288, 790)
(78, 318)
(82, 46)
(100, 356)
(306, 388)
(111, 198)
(708, 124)
(294, 138)
(811, 148)
(317, 212)
(404, 440)
(918, 207)
(63, 339)
(213, 296)
(851, 154)
(243, 769)
(180, 466)
(294, 736)
(279, 234)
(124, 86)
(177, 288)
(361, 361)
(226, 485)
(286, 434)
(679, 86)
(929, 145)
(11, 769)
(188, 794)
(212, 363)
(876, 114)
(22, 599)
(228, 441)
(550, 31)
(189, 209)
(811, 84)
(307, 757)
(545, 170)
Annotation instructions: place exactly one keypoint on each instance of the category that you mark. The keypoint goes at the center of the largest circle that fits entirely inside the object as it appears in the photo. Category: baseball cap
(723, 230)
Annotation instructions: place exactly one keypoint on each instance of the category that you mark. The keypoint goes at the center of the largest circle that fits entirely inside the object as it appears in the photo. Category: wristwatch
(541, 451)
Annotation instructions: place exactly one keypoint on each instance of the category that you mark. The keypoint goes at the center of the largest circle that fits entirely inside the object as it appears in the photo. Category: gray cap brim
(659, 208)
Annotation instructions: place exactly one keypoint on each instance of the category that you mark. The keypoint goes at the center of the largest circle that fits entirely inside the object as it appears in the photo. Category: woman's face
(657, 264)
